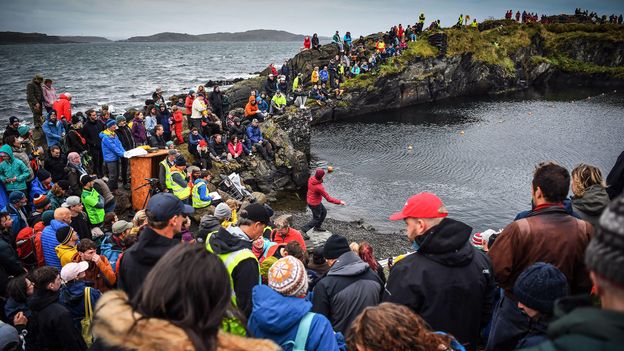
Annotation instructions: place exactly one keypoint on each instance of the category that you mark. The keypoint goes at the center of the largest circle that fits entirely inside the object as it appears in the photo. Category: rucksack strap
(87, 303)
(303, 331)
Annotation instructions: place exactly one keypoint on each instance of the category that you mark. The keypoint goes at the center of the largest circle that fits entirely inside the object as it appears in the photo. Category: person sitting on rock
(316, 94)
(194, 140)
(239, 131)
(218, 148)
(203, 155)
(314, 78)
(252, 111)
(200, 192)
(282, 85)
(324, 75)
(278, 103)
(235, 148)
(263, 105)
(301, 97)
(270, 86)
(335, 86)
(259, 143)
(179, 180)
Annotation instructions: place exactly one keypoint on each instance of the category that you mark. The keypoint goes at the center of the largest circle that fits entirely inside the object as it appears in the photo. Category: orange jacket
(62, 106)
(38, 248)
(250, 110)
(102, 274)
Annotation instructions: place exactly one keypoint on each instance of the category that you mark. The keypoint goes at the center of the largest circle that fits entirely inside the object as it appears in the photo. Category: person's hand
(20, 319)
(343, 203)
(95, 258)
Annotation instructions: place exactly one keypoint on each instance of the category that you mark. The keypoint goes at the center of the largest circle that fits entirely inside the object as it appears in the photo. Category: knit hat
(76, 119)
(319, 174)
(223, 211)
(477, 241)
(64, 184)
(41, 201)
(539, 286)
(172, 152)
(120, 119)
(13, 119)
(64, 234)
(180, 161)
(42, 174)
(288, 277)
(16, 196)
(47, 217)
(111, 122)
(23, 130)
(203, 143)
(8, 336)
(169, 143)
(335, 246)
(605, 253)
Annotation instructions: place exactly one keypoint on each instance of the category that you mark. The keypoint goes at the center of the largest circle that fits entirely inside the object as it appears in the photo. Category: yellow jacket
(65, 253)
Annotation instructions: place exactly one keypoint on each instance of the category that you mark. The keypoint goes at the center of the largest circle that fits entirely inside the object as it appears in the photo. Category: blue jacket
(49, 242)
(323, 75)
(277, 317)
(111, 250)
(112, 150)
(37, 188)
(53, 132)
(194, 139)
(202, 190)
(12, 307)
(254, 134)
(18, 221)
(72, 297)
(262, 105)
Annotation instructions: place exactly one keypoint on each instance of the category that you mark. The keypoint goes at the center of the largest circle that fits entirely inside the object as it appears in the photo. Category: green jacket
(583, 329)
(94, 205)
(13, 168)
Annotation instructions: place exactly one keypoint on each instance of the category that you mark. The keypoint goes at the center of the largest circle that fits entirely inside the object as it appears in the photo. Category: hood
(56, 225)
(118, 325)
(275, 313)
(593, 202)
(348, 264)
(604, 325)
(73, 292)
(209, 222)
(63, 97)
(314, 181)
(42, 299)
(152, 246)
(224, 241)
(448, 243)
(107, 133)
(6, 148)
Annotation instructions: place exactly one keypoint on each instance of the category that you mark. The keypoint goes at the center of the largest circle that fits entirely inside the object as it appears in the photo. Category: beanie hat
(47, 217)
(319, 174)
(8, 336)
(223, 211)
(42, 174)
(265, 266)
(41, 201)
(76, 119)
(111, 122)
(605, 253)
(477, 241)
(288, 277)
(64, 184)
(335, 246)
(23, 130)
(203, 143)
(539, 286)
(120, 119)
(16, 197)
(180, 161)
(64, 234)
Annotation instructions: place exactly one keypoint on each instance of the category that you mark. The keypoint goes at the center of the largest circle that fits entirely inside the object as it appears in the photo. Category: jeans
(509, 324)
(113, 174)
(319, 212)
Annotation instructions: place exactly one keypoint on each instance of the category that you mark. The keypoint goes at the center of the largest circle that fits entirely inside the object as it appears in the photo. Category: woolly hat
(477, 241)
(16, 196)
(8, 336)
(203, 143)
(335, 246)
(319, 174)
(42, 174)
(23, 130)
(47, 217)
(288, 277)
(180, 161)
(64, 234)
(111, 122)
(605, 253)
(64, 184)
(76, 119)
(41, 201)
(223, 211)
(539, 286)
(120, 119)
(13, 119)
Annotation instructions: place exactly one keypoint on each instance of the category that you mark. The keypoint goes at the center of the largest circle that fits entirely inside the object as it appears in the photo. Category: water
(125, 74)
(483, 174)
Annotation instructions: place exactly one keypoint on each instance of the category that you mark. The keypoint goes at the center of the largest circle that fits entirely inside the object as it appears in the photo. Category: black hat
(180, 161)
(76, 119)
(64, 184)
(605, 253)
(256, 213)
(64, 234)
(335, 246)
(163, 206)
(42, 174)
(539, 286)
(13, 119)
(86, 179)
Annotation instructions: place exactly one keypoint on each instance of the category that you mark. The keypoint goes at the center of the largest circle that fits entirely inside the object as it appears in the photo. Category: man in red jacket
(62, 106)
(316, 193)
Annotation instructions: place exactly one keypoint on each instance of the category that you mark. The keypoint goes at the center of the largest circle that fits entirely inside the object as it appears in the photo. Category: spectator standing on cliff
(34, 97)
(91, 132)
(49, 94)
(314, 199)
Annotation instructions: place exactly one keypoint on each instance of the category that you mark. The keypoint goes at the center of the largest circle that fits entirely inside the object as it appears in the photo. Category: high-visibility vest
(197, 201)
(167, 173)
(231, 260)
(181, 193)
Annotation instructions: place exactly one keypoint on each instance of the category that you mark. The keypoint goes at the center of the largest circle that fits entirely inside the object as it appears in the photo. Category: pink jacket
(238, 149)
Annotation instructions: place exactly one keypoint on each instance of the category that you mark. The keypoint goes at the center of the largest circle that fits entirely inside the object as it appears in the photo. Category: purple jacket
(138, 131)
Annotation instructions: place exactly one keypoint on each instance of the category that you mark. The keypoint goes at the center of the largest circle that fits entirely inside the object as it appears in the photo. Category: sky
(120, 19)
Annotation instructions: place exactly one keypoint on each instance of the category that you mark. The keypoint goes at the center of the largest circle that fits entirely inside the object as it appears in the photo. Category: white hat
(71, 270)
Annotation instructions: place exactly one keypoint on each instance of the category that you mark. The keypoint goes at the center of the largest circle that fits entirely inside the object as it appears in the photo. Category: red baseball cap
(422, 205)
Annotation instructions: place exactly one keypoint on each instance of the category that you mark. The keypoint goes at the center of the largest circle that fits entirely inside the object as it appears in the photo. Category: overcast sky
(120, 19)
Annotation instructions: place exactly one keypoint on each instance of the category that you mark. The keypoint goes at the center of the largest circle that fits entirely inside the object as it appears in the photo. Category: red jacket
(306, 43)
(292, 235)
(316, 193)
(62, 106)
(178, 118)
(189, 104)
(238, 149)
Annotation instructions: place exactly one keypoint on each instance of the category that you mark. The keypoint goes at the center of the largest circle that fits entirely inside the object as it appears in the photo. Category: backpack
(25, 244)
(302, 333)
(85, 323)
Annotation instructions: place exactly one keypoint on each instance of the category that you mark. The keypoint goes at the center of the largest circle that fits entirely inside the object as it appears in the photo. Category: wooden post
(142, 167)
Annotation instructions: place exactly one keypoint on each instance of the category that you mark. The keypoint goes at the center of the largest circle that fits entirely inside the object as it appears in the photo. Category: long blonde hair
(585, 176)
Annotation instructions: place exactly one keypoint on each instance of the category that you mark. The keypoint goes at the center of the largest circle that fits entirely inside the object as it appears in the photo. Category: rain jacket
(53, 131)
(62, 106)
(276, 317)
(138, 131)
(49, 243)
(590, 206)
(13, 168)
(72, 296)
(94, 205)
(254, 134)
(111, 249)
(66, 253)
(112, 150)
(316, 193)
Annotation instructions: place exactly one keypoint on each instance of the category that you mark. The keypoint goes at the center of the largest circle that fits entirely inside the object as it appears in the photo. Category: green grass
(574, 66)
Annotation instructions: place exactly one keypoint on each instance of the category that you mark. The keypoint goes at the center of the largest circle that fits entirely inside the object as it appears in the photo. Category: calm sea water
(483, 174)
(125, 74)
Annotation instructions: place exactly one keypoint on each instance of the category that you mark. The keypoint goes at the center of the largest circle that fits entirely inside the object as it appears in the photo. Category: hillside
(7, 38)
(250, 35)
(85, 39)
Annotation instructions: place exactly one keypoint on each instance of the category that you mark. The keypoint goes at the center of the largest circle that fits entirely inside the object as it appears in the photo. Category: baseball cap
(86, 179)
(256, 213)
(121, 226)
(164, 206)
(422, 205)
(71, 201)
(71, 270)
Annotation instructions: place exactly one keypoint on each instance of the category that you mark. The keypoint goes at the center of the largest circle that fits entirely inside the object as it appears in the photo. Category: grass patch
(567, 64)
(361, 81)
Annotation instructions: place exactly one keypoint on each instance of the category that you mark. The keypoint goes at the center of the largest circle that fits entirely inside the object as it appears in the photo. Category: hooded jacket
(349, 286)
(316, 192)
(54, 131)
(112, 150)
(246, 274)
(446, 281)
(590, 206)
(72, 296)
(91, 132)
(111, 249)
(139, 133)
(62, 106)
(254, 134)
(125, 137)
(55, 328)
(21, 154)
(49, 243)
(116, 328)
(277, 317)
(13, 168)
(139, 259)
(208, 224)
(66, 253)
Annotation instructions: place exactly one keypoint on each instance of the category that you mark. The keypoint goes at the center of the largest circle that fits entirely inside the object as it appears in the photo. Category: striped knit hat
(605, 253)
(288, 277)
(477, 241)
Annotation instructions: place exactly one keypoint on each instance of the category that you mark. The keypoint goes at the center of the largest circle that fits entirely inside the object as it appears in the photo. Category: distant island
(7, 38)
(250, 35)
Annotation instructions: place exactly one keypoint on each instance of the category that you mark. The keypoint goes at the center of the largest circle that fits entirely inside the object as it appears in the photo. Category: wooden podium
(142, 167)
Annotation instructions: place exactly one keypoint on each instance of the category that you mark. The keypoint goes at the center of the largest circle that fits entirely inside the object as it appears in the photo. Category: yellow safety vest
(474, 25)
(167, 173)
(197, 201)
(180, 192)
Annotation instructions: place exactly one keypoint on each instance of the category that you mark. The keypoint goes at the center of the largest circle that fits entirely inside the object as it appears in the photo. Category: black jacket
(246, 274)
(270, 87)
(447, 281)
(157, 141)
(8, 132)
(615, 179)
(138, 260)
(56, 167)
(74, 141)
(349, 286)
(91, 132)
(54, 324)
(10, 264)
(216, 102)
(125, 137)
(238, 130)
